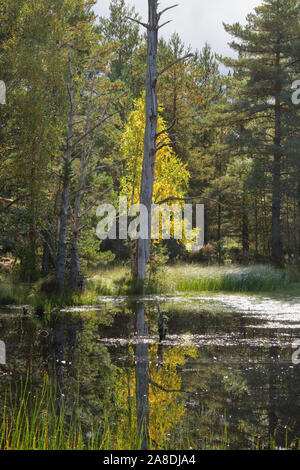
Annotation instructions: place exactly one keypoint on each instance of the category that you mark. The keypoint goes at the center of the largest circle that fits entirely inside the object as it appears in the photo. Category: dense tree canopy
(72, 132)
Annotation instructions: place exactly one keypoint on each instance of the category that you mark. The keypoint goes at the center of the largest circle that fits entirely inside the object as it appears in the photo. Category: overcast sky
(197, 21)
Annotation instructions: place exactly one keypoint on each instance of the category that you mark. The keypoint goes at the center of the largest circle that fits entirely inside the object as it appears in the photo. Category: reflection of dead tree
(273, 369)
(9, 202)
(154, 384)
(142, 379)
(3, 199)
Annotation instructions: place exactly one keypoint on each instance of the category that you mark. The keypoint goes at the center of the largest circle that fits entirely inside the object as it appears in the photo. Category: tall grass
(30, 419)
(13, 293)
(256, 278)
(179, 278)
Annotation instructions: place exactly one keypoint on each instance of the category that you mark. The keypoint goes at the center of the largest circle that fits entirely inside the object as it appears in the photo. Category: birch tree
(89, 110)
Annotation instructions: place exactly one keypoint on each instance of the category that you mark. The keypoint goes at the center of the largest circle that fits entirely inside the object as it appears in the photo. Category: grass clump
(13, 293)
(32, 420)
(256, 278)
(117, 280)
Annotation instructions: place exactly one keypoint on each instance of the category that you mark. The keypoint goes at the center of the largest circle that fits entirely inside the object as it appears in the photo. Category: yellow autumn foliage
(171, 176)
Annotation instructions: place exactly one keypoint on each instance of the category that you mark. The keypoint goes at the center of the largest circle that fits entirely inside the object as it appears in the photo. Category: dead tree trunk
(61, 256)
(150, 134)
(88, 167)
(150, 140)
(75, 261)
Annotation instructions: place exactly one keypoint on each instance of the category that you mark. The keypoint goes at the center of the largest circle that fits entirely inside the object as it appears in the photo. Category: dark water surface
(223, 376)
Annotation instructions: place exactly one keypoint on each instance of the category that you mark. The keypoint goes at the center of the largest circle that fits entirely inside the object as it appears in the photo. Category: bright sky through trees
(198, 21)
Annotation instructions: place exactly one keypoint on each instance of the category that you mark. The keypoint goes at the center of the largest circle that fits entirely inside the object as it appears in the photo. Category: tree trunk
(219, 234)
(256, 226)
(75, 263)
(75, 260)
(144, 246)
(276, 200)
(48, 260)
(298, 216)
(85, 159)
(245, 229)
(62, 251)
(276, 211)
(206, 222)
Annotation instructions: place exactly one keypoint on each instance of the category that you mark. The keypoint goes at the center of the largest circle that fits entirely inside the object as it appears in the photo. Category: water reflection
(273, 355)
(213, 371)
(142, 377)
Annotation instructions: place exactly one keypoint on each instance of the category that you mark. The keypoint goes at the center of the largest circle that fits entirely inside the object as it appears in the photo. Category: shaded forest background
(72, 128)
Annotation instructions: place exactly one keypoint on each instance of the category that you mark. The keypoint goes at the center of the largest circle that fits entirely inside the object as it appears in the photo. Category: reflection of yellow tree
(165, 398)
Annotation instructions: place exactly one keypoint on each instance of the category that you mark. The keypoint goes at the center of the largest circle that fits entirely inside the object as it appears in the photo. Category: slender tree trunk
(276, 200)
(245, 233)
(62, 246)
(273, 384)
(58, 344)
(298, 218)
(288, 230)
(245, 228)
(144, 246)
(85, 159)
(256, 227)
(219, 234)
(62, 250)
(48, 261)
(75, 260)
(75, 263)
(206, 222)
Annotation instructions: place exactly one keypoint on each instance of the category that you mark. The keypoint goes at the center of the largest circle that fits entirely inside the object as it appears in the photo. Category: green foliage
(261, 123)
(221, 141)
(235, 279)
(13, 293)
(220, 251)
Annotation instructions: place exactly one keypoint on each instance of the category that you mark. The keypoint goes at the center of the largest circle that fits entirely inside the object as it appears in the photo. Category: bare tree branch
(10, 202)
(159, 145)
(52, 254)
(166, 131)
(164, 24)
(174, 63)
(138, 22)
(166, 9)
(154, 384)
(3, 199)
(94, 204)
(168, 199)
(95, 127)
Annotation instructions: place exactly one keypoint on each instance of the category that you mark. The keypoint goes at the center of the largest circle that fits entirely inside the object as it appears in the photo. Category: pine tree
(124, 34)
(263, 71)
